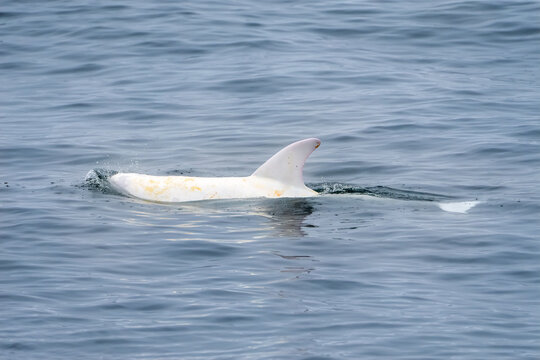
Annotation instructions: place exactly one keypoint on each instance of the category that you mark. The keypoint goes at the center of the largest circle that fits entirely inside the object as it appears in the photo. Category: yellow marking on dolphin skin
(152, 187)
(278, 193)
(193, 188)
(155, 190)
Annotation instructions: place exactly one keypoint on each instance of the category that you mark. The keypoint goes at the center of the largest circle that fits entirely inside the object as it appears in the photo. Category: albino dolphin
(279, 176)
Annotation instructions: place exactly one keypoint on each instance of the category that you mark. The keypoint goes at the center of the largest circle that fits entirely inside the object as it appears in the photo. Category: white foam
(458, 207)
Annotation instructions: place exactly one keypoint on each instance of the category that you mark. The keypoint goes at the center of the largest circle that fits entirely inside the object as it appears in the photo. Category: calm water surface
(415, 102)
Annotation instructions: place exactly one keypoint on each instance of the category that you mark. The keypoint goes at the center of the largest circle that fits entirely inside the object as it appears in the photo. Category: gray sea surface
(416, 103)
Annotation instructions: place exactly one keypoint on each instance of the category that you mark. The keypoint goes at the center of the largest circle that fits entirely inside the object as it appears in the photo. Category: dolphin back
(280, 176)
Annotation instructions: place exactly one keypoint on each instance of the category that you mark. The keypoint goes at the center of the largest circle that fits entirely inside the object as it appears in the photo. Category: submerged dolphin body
(279, 176)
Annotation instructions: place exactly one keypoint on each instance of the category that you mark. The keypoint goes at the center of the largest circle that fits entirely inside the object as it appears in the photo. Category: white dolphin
(279, 176)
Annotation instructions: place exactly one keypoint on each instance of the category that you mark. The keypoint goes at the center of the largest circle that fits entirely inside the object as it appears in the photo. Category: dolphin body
(279, 176)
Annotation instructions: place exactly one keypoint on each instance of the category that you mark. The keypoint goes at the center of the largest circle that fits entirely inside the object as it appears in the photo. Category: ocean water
(415, 103)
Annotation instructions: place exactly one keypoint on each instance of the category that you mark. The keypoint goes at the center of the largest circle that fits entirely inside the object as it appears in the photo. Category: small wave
(377, 191)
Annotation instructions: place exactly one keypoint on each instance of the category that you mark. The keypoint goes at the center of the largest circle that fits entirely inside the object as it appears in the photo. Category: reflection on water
(286, 216)
(297, 269)
(263, 218)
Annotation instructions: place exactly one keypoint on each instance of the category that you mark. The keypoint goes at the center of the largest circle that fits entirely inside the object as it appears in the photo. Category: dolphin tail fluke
(458, 207)
(287, 165)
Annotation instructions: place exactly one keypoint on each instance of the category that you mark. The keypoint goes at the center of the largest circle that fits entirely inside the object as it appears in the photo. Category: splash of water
(98, 179)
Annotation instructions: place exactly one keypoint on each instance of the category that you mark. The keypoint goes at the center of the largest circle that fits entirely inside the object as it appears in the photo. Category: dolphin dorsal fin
(287, 165)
